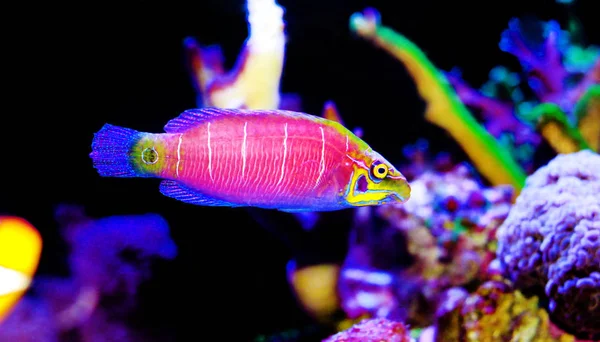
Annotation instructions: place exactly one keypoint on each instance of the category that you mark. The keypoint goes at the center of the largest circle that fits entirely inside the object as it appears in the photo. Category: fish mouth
(394, 197)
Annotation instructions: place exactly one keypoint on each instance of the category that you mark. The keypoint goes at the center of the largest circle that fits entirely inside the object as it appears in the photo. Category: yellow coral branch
(444, 108)
(588, 112)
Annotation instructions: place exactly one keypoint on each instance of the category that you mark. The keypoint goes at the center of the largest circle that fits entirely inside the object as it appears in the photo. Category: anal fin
(299, 210)
(182, 193)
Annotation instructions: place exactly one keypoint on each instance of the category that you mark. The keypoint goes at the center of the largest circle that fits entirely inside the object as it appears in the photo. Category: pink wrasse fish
(272, 159)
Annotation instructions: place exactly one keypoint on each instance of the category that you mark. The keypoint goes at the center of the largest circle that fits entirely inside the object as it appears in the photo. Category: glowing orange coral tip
(20, 249)
(330, 112)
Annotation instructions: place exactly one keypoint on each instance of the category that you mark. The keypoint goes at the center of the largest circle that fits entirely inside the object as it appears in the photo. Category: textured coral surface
(551, 240)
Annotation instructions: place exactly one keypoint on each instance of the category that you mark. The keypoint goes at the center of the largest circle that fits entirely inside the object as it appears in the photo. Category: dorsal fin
(192, 117)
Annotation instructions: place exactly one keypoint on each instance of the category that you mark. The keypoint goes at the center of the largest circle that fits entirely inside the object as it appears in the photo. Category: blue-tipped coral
(551, 240)
(561, 75)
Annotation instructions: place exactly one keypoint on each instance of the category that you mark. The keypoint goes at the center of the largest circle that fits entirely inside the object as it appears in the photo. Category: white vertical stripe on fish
(178, 154)
(285, 130)
(322, 162)
(244, 146)
(209, 153)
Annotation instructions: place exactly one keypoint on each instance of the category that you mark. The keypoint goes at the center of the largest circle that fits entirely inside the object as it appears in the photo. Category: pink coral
(551, 240)
(373, 330)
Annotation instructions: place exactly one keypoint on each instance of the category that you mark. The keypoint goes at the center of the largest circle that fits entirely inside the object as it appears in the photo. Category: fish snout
(399, 188)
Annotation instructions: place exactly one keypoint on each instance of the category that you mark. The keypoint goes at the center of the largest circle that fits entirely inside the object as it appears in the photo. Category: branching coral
(496, 312)
(373, 330)
(551, 240)
(559, 73)
(109, 259)
(254, 81)
(520, 138)
(402, 259)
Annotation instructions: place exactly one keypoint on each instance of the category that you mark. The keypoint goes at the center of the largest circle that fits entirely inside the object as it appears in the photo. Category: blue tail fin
(112, 149)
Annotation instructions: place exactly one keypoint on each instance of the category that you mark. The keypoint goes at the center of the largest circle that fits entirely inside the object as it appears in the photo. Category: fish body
(263, 158)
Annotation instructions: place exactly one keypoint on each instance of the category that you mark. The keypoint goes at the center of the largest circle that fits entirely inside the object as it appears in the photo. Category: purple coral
(109, 258)
(543, 63)
(31, 321)
(551, 240)
(557, 70)
(113, 253)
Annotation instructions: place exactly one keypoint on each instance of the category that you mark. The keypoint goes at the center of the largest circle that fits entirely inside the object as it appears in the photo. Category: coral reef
(402, 258)
(551, 240)
(373, 330)
(109, 258)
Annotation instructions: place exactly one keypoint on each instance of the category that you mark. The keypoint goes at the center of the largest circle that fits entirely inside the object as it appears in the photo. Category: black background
(71, 68)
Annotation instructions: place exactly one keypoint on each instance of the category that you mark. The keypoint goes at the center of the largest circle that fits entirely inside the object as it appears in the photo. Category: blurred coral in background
(254, 81)
(109, 258)
(374, 330)
(402, 258)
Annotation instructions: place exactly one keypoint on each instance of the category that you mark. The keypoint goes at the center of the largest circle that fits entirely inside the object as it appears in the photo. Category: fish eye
(149, 155)
(379, 170)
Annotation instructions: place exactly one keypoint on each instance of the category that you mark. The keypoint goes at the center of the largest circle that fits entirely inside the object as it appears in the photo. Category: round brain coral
(551, 240)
